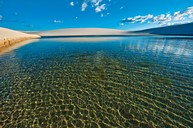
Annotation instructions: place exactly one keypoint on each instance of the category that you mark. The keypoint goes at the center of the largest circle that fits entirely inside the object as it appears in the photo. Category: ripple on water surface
(135, 82)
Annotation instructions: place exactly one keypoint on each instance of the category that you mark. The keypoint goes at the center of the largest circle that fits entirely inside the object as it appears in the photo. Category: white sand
(83, 32)
(9, 37)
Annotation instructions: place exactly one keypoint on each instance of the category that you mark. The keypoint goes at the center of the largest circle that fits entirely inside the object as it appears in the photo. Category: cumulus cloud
(72, 3)
(138, 19)
(178, 17)
(99, 5)
(100, 8)
(58, 21)
(183, 15)
(84, 6)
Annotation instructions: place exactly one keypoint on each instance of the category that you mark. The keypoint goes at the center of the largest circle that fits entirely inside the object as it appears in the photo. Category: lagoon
(115, 82)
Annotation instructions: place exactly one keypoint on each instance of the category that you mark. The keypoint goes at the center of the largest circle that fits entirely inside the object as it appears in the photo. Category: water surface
(131, 82)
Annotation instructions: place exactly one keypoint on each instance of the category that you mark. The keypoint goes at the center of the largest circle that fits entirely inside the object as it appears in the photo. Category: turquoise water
(130, 82)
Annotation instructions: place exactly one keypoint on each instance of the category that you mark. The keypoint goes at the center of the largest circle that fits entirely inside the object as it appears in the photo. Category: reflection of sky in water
(181, 47)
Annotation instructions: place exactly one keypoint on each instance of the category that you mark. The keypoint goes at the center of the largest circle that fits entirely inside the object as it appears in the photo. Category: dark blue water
(128, 82)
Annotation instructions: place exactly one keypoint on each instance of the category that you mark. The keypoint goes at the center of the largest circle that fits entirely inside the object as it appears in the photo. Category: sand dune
(83, 32)
(9, 37)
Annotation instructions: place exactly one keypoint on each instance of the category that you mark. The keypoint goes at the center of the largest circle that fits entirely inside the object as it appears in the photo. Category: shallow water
(131, 82)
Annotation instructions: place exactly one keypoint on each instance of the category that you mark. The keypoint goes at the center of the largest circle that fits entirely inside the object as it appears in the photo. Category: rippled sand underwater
(133, 82)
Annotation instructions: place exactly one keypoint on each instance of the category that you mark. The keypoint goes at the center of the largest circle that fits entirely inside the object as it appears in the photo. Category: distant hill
(182, 29)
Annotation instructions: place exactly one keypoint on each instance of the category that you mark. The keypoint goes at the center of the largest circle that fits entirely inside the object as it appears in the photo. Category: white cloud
(96, 2)
(138, 19)
(122, 24)
(98, 5)
(100, 8)
(58, 21)
(84, 6)
(72, 3)
(176, 13)
(191, 16)
(178, 17)
(183, 15)
(162, 19)
(121, 7)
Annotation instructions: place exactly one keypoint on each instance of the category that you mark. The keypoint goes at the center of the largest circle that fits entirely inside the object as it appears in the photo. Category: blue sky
(118, 14)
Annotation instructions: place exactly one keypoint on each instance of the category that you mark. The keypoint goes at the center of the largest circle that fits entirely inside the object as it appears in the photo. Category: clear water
(131, 82)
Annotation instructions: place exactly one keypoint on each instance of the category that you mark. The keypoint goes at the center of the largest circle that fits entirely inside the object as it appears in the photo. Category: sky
(38, 15)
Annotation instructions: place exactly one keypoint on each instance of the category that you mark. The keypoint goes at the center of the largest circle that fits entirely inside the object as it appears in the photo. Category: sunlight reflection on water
(129, 82)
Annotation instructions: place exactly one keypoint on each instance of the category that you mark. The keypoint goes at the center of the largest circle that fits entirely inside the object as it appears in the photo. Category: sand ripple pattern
(98, 88)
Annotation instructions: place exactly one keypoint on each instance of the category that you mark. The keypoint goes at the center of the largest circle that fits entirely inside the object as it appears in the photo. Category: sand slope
(82, 32)
(9, 37)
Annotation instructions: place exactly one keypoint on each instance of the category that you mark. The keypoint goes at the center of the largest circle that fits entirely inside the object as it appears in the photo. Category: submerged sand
(9, 37)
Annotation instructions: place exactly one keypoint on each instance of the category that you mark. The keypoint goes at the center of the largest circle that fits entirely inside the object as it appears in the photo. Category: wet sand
(16, 45)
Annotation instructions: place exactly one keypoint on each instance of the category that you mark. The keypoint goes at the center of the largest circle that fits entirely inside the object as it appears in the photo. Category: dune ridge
(9, 37)
(71, 32)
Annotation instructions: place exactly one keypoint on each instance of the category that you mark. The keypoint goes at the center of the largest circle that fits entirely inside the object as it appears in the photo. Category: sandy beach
(9, 37)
